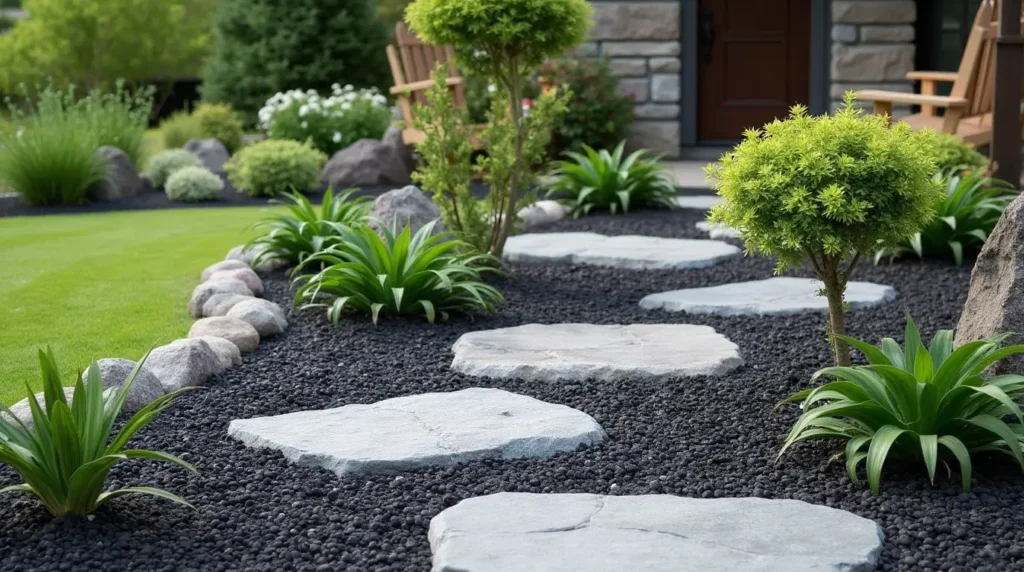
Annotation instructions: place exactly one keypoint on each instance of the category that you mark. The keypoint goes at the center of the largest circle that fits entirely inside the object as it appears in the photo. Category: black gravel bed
(697, 437)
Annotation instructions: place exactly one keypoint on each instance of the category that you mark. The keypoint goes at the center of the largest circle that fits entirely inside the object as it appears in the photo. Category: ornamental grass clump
(919, 403)
(305, 229)
(65, 455)
(827, 190)
(396, 273)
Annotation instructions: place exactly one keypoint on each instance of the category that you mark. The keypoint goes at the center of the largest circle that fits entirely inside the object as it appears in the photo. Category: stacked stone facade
(872, 45)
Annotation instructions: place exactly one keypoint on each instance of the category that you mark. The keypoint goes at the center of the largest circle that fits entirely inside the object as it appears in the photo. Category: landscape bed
(697, 437)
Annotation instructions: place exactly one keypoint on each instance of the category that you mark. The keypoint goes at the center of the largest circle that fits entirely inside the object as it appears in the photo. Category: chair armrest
(422, 85)
(932, 76)
(911, 98)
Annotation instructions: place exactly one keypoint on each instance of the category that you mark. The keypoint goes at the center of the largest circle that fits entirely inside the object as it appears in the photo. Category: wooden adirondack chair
(412, 63)
(969, 105)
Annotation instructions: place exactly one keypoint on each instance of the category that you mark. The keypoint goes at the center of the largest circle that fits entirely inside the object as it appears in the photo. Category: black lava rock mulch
(699, 437)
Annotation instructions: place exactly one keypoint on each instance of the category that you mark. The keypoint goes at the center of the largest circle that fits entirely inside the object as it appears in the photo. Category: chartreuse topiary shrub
(926, 403)
(504, 41)
(396, 273)
(165, 163)
(64, 457)
(951, 153)
(827, 190)
(263, 47)
(220, 122)
(193, 184)
(971, 205)
(273, 167)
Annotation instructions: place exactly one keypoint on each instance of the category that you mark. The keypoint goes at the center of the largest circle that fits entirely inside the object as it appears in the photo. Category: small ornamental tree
(504, 40)
(827, 190)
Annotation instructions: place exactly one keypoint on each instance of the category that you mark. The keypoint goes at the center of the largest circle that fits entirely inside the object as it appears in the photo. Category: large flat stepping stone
(717, 231)
(577, 352)
(432, 429)
(513, 532)
(629, 251)
(700, 202)
(771, 297)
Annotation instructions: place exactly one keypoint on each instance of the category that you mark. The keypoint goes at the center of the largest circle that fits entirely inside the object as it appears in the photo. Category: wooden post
(1006, 128)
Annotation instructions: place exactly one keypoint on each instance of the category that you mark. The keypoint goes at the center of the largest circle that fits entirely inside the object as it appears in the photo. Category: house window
(942, 30)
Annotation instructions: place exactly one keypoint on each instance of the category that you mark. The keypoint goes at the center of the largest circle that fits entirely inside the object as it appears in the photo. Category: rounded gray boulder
(115, 371)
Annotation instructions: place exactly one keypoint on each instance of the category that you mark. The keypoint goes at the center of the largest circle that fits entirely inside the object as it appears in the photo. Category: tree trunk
(516, 110)
(835, 288)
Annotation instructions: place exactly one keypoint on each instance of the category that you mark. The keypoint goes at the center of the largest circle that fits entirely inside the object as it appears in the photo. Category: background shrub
(331, 123)
(263, 47)
(272, 167)
(220, 122)
(179, 129)
(192, 184)
(951, 153)
(117, 119)
(164, 164)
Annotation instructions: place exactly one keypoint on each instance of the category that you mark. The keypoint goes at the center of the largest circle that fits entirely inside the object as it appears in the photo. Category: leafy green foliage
(603, 180)
(179, 129)
(915, 402)
(275, 166)
(396, 274)
(971, 206)
(598, 114)
(827, 190)
(262, 47)
(330, 123)
(65, 456)
(192, 184)
(951, 153)
(305, 230)
(165, 163)
(220, 122)
(95, 43)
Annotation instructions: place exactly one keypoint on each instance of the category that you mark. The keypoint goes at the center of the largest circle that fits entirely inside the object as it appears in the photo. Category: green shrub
(598, 115)
(827, 190)
(263, 47)
(219, 122)
(66, 455)
(603, 180)
(95, 43)
(951, 153)
(331, 123)
(305, 230)
(970, 208)
(504, 41)
(401, 274)
(275, 166)
(915, 403)
(192, 184)
(117, 119)
(178, 129)
(164, 164)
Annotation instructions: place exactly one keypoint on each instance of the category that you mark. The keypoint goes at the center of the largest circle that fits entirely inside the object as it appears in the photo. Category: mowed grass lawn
(103, 285)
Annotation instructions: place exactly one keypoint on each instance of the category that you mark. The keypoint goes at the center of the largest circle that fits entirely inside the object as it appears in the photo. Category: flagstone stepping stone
(700, 202)
(512, 532)
(577, 352)
(717, 231)
(629, 251)
(771, 297)
(416, 431)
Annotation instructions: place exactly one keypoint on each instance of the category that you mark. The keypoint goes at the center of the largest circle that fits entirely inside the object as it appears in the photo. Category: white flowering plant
(331, 123)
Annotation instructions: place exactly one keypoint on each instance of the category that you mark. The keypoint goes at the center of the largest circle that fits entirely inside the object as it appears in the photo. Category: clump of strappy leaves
(931, 404)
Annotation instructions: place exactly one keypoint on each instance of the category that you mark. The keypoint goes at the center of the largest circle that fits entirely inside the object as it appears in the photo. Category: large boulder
(240, 333)
(393, 139)
(995, 302)
(407, 205)
(265, 316)
(122, 178)
(145, 388)
(184, 363)
(207, 289)
(365, 162)
(211, 152)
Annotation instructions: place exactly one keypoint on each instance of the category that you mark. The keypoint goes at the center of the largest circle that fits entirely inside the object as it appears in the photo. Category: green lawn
(103, 285)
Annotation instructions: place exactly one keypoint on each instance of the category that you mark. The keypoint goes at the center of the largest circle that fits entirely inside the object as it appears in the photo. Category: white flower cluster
(310, 102)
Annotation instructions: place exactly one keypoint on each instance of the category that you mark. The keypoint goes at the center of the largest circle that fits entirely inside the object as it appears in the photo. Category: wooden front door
(754, 59)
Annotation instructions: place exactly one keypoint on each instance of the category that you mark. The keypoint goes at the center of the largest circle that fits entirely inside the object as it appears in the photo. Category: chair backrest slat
(975, 80)
(419, 59)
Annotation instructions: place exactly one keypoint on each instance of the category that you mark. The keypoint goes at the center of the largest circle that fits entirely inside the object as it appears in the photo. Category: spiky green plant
(916, 402)
(971, 206)
(603, 180)
(64, 457)
(397, 274)
(306, 230)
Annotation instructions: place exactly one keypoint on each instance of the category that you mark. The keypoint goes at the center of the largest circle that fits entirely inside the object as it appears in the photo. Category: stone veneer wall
(872, 45)
(641, 40)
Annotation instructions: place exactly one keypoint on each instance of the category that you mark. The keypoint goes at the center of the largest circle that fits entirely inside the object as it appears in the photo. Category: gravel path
(698, 437)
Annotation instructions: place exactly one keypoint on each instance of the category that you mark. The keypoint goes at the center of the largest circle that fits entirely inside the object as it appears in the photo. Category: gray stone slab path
(775, 296)
(516, 532)
(577, 352)
(701, 202)
(717, 231)
(629, 251)
(431, 429)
